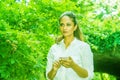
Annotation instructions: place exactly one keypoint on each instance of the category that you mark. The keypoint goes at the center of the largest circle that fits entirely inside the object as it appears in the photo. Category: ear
(75, 27)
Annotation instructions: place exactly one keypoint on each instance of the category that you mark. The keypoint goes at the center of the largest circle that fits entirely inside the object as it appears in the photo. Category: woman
(70, 58)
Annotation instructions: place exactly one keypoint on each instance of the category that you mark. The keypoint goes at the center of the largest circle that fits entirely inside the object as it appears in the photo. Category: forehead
(65, 19)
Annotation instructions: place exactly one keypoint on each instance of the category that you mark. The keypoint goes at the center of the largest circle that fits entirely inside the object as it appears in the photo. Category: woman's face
(67, 26)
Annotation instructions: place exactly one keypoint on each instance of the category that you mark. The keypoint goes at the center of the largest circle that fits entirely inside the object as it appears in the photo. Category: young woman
(70, 58)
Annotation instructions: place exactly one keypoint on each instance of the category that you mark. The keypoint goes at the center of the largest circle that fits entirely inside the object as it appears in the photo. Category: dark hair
(77, 33)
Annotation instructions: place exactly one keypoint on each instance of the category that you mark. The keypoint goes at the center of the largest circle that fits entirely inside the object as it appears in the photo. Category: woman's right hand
(56, 65)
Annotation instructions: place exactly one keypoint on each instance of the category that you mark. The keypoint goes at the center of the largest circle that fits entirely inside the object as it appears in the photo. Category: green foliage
(103, 76)
(23, 48)
(28, 31)
(102, 33)
(21, 55)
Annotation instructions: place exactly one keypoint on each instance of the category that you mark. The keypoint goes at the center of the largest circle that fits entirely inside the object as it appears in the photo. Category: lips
(65, 31)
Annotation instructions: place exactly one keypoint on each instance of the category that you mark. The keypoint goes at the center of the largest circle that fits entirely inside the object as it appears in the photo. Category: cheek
(71, 29)
(61, 29)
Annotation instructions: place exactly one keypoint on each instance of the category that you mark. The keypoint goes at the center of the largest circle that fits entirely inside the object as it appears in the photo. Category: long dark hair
(77, 33)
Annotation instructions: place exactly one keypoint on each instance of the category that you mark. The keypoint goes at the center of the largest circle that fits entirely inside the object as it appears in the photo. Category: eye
(68, 24)
(61, 24)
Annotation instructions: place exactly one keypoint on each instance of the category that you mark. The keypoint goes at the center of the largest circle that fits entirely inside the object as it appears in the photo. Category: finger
(60, 59)
(70, 58)
(66, 65)
(57, 62)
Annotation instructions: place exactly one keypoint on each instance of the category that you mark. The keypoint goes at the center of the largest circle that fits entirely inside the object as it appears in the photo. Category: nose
(65, 27)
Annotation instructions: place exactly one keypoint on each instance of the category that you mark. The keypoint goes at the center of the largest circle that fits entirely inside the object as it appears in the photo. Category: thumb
(70, 58)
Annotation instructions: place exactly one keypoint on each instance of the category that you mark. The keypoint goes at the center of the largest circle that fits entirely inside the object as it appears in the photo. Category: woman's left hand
(66, 62)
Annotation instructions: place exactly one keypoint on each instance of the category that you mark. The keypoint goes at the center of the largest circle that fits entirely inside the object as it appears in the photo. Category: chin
(66, 35)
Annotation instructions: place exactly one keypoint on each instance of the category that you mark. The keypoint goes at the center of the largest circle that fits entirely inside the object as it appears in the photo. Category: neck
(68, 40)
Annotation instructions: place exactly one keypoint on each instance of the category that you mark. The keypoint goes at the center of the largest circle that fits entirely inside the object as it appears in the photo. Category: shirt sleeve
(50, 58)
(87, 59)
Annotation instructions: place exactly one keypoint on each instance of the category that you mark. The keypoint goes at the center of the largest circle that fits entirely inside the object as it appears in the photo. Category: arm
(53, 71)
(52, 74)
(69, 63)
(50, 71)
(79, 70)
(87, 63)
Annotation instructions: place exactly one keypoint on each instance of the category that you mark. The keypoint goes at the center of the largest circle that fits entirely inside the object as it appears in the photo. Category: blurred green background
(28, 29)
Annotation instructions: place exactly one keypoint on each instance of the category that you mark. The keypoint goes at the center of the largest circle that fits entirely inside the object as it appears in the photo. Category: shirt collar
(72, 43)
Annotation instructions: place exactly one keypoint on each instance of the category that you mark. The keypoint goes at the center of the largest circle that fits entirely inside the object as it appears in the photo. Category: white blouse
(80, 53)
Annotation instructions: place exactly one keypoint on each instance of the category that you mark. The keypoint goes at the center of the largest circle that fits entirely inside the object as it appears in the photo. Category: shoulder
(82, 44)
(85, 48)
(57, 45)
(52, 49)
(54, 46)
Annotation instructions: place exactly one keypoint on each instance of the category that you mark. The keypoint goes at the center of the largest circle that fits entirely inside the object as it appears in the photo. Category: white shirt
(80, 53)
